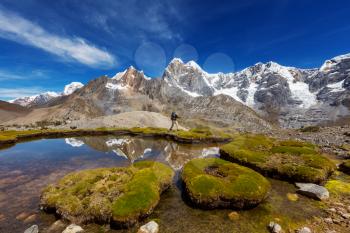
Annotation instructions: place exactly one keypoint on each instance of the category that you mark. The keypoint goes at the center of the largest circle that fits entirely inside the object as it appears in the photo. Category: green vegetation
(120, 196)
(338, 188)
(193, 135)
(289, 160)
(345, 167)
(202, 133)
(212, 183)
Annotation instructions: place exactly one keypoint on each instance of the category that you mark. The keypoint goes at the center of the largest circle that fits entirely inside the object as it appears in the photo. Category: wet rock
(57, 226)
(2, 217)
(233, 216)
(72, 228)
(30, 218)
(32, 229)
(304, 230)
(22, 216)
(151, 227)
(313, 190)
(275, 227)
(292, 196)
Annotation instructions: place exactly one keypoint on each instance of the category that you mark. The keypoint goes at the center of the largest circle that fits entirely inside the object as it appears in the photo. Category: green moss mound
(288, 160)
(213, 183)
(345, 167)
(120, 196)
(338, 188)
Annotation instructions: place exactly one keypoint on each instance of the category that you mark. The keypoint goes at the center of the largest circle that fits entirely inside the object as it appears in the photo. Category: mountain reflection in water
(133, 149)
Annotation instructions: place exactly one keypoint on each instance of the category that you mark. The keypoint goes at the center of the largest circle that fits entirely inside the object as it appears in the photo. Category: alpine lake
(27, 168)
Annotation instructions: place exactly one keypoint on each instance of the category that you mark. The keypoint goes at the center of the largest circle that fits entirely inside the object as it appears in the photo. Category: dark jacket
(174, 116)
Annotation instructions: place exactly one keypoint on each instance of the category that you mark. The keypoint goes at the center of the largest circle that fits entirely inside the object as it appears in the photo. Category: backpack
(173, 116)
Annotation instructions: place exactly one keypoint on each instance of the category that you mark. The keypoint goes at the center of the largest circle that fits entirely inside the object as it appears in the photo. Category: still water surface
(27, 168)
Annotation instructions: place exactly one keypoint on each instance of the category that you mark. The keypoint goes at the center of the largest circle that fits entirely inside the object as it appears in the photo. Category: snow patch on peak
(176, 60)
(113, 86)
(329, 64)
(337, 87)
(119, 75)
(194, 65)
(72, 87)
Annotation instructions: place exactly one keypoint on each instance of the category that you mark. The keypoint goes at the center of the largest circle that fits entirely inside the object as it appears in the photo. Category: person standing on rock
(174, 118)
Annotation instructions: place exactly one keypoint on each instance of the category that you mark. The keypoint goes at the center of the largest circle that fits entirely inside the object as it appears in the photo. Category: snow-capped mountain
(43, 98)
(72, 87)
(291, 96)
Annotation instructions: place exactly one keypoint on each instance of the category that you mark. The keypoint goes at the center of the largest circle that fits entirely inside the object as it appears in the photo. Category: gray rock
(304, 230)
(313, 190)
(32, 229)
(73, 228)
(151, 227)
(275, 227)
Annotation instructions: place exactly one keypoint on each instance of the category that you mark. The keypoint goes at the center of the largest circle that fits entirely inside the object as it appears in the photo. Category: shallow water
(27, 168)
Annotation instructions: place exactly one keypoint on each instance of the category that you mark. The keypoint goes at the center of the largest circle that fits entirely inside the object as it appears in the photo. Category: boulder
(313, 190)
(151, 227)
(72, 228)
(275, 227)
(215, 183)
(32, 229)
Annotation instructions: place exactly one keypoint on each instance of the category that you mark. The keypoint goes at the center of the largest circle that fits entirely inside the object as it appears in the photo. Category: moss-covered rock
(120, 196)
(212, 183)
(338, 188)
(288, 160)
(345, 167)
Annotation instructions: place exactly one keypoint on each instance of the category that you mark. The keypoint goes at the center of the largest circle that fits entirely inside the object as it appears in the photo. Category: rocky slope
(10, 111)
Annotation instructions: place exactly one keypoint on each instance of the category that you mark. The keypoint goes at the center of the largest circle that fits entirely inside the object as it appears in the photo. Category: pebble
(345, 215)
(72, 228)
(233, 216)
(151, 227)
(304, 230)
(275, 227)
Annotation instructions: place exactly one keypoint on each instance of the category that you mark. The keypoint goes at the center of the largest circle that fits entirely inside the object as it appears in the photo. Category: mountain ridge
(289, 96)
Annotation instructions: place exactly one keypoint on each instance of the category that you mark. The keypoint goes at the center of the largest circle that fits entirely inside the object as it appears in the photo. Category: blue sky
(47, 44)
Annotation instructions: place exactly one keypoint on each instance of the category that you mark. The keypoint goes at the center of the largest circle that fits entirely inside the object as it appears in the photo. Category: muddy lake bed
(26, 168)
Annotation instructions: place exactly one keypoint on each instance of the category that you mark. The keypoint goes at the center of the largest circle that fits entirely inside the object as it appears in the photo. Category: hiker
(173, 118)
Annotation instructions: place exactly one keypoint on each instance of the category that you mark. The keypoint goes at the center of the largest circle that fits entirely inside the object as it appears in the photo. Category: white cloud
(10, 93)
(16, 28)
(6, 75)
